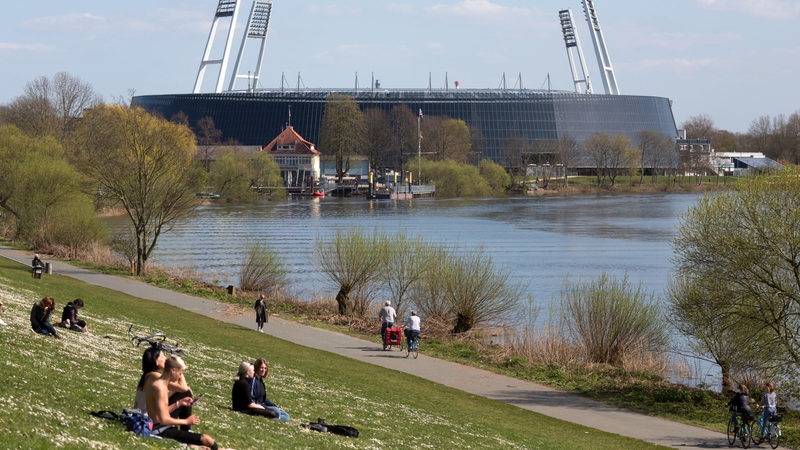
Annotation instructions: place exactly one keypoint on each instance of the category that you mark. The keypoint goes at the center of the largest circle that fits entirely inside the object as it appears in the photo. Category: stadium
(255, 116)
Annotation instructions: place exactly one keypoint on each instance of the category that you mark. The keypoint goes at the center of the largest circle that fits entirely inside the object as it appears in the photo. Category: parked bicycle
(771, 434)
(157, 339)
(737, 428)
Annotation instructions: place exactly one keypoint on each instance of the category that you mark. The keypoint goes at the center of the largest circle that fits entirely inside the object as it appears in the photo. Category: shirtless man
(156, 395)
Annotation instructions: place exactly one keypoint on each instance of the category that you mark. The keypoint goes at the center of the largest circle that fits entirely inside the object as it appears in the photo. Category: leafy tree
(34, 179)
(453, 179)
(353, 262)
(232, 175)
(749, 242)
(700, 308)
(497, 177)
(447, 138)
(146, 164)
(266, 173)
(378, 136)
(342, 131)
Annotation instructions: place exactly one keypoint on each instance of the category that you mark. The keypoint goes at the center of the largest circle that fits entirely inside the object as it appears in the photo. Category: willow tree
(748, 241)
(342, 131)
(146, 164)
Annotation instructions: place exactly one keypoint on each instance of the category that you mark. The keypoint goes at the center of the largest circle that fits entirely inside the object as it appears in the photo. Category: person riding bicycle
(387, 316)
(412, 327)
(769, 401)
(740, 404)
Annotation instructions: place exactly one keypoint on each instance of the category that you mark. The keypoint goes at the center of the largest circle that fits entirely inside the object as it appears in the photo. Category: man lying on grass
(156, 394)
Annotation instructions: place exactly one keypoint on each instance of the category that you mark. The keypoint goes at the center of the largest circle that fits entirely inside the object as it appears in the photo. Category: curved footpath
(532, 396)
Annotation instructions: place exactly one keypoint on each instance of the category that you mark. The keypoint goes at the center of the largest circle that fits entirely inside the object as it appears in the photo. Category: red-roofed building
(296, 157)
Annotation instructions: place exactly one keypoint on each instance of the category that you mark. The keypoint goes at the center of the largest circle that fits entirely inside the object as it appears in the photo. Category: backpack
(136, 421)
(341, 430)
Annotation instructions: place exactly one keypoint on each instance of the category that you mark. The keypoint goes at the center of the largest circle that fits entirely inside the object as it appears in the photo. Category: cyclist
(740, 404)
(387, 316)
(769, 401)
(412, 327)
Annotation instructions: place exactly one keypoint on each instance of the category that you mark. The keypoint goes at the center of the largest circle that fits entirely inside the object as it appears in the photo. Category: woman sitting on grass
(240, 394)
(180, 405)
(40, 317)
(69, 317)
(258, 390)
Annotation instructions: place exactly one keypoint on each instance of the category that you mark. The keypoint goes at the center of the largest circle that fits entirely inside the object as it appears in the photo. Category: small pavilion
(297, 159)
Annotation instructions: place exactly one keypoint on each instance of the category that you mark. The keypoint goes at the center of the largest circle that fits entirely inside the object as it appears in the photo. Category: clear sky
(734, 60)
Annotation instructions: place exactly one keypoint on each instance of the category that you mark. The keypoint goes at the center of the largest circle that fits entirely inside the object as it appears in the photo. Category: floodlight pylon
(226, 9)
(257, 27)
(603, 60)
(572, 41)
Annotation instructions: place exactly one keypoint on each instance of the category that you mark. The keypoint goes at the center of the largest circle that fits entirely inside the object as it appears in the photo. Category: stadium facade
(255, 117)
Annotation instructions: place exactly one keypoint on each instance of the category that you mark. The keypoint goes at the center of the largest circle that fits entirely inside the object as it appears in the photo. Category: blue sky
(734, 60)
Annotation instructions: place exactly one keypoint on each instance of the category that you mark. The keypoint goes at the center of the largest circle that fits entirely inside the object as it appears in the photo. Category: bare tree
(655, 150)
(568, 154)
(403, 125)
(208, 135)
(700, 126)
(378, 136)
(342, 132)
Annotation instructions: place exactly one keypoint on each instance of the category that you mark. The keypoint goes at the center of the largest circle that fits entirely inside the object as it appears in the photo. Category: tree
(568, 153)
(378, 137)
(655, 150)
(747, 240)
(410, 259)
(342, 131)
(232, 175)
(35, 179)
(146, 164)
(208, 136)
(447, 139)
(263, 270)
(699, 126)
(497, 177)
(52, 106)
(403, 125)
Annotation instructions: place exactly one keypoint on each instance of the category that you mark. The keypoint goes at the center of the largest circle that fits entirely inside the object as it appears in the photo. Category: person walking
(387, 316)
(261, 313)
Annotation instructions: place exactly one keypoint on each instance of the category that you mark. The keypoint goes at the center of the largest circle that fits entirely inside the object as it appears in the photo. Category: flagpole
(419, 147)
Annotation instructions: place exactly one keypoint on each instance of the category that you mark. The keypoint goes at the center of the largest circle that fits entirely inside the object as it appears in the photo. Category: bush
(262, 271)
(495, 175)
(453, 179)
(611, 321)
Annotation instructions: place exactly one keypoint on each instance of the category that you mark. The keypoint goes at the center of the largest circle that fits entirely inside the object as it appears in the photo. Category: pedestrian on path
(261, 312)
(387, 316)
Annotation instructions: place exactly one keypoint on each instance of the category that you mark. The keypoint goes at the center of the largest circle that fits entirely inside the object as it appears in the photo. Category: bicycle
(412, 347)
(737, 428)
(773, 432)
(155, 339)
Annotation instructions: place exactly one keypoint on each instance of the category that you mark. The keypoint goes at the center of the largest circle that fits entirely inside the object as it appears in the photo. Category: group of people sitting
(43, 309)
(164, 395)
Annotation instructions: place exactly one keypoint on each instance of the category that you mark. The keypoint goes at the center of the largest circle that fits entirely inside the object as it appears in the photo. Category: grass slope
(49, 386)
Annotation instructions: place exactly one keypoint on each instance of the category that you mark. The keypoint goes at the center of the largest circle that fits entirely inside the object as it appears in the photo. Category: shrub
(495, 175)
(611, 320)
(262, 271)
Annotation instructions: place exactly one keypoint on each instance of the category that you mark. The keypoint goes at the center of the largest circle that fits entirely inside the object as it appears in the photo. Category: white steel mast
(572, 41)
(609, 80)
(225, 9)
(257, 27)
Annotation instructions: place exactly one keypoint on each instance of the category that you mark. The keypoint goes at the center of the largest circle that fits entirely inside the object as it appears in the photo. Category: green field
(49, 386)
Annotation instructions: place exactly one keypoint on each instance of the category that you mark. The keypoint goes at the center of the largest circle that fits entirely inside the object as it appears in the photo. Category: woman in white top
(769, 401)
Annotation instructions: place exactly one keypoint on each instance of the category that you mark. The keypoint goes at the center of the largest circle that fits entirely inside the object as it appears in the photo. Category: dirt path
(532, 396)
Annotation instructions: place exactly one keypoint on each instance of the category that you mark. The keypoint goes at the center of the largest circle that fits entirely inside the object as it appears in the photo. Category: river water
(542, 242)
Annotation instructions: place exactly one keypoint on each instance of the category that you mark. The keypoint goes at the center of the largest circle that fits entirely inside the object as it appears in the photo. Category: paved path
(532, 396)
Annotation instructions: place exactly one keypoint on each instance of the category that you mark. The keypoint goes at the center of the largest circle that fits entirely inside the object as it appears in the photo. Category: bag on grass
(136, 421)
(341, 430)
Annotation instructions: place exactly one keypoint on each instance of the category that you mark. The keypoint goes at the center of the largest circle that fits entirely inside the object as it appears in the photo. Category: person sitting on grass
(40, 317)
(258, 390)
(156, 393)
(69, 317)
(153, 361)
(240, 394)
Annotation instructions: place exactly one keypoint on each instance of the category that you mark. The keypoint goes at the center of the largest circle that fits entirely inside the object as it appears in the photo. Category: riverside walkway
(528, 395)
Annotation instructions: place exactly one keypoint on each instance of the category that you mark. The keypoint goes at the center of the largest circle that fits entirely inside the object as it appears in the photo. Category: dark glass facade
(255, 118)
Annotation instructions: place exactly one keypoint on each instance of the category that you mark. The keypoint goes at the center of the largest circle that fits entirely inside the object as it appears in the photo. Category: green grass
(49, 386)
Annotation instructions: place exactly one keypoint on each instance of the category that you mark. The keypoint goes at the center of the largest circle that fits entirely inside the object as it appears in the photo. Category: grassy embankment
(49, 386)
